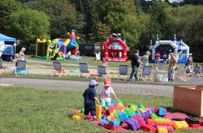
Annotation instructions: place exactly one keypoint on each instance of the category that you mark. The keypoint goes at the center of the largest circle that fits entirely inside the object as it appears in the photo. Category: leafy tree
(102, 31)
(144, 31)
(120, 16)
(89, 9)
(63, 15)
(6, 8)
(151, 23)
(186, 22)
(27, 24)
(24, 1)
(138, 21)
(158, 19)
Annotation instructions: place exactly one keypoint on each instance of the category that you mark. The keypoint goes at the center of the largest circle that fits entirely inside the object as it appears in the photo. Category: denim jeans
(134, 72)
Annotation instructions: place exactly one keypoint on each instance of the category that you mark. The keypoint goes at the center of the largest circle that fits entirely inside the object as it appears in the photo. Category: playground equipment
(65, 48)
(165, 47)
(42, 46)
(114, 49)
(59, 48)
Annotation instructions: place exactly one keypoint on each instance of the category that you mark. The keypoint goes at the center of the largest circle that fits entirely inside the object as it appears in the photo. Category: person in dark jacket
(90, 98)
(135, 63)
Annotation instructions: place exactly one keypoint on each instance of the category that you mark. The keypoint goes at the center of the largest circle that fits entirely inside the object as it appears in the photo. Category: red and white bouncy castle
(114, 49)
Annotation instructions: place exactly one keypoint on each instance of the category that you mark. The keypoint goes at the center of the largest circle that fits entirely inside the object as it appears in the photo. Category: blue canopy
(6, 38)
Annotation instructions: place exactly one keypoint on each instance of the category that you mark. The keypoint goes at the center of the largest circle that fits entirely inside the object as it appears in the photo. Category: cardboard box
(189, 99)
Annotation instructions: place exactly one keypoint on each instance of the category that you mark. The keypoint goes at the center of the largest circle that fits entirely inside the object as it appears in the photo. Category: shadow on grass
(172, 110)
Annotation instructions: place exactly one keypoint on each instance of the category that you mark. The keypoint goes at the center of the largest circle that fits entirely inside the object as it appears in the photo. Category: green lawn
(92, 62)
(84, 59)
(24, 110)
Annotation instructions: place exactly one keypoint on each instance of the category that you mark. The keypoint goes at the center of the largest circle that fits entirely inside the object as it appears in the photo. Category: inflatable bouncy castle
(65, 48)
(165, 47)
(59, 48)
(42, 46)
(114, 48)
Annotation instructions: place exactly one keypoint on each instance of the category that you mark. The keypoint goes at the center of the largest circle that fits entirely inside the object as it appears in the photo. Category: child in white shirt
(105, 93)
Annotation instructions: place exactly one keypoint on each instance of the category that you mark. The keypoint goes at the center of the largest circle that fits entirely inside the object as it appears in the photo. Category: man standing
(135, 63)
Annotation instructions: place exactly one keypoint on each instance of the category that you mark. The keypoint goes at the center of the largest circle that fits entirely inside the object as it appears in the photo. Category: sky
(177, 1)
(171, 1)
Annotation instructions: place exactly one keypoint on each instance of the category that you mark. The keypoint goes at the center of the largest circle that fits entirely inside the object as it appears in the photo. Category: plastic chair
(102, 71)
(123, 70)
(147, 72)
(21, 67)
(84, 69)
(58, 70)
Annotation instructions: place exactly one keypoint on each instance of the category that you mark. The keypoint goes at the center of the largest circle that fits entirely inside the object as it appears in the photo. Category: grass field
(92, 62)
(84, 59)
(24, 110)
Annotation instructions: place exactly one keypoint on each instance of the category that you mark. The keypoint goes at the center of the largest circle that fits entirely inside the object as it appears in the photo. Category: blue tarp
(6, 38)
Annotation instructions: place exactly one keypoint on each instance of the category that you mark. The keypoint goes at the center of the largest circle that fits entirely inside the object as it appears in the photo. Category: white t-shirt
(105, 94)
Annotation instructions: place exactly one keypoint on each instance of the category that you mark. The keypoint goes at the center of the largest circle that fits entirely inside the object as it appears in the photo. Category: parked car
(9, 52)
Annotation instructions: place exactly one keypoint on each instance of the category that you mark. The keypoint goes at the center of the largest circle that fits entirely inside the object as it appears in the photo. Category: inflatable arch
(165, 47)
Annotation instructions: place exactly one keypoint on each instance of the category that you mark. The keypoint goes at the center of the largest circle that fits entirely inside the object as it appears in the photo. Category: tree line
(138, 21)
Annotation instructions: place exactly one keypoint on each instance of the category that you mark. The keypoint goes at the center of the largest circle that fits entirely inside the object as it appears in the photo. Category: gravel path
(124, 88)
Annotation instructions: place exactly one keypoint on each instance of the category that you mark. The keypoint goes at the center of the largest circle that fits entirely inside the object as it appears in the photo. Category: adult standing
(145, 59)
(135, 63)
(172, 67)
(22, 54)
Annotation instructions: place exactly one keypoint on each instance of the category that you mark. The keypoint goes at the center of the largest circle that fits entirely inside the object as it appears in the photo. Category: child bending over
(105, 93)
